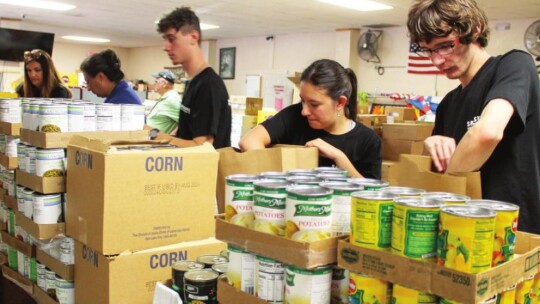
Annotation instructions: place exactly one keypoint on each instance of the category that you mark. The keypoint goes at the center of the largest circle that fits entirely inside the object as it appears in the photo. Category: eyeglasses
(32, 55)
(443, 50)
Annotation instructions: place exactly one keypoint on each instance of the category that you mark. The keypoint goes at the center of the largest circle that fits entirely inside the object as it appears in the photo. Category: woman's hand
(325, 149)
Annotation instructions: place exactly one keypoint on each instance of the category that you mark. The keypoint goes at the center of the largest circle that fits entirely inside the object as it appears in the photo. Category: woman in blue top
(104, 78)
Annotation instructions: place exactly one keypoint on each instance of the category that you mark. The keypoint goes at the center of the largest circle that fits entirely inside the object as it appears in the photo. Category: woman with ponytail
(104, 78)
(325, 119)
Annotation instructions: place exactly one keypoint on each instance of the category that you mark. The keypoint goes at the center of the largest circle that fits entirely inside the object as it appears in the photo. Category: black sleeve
(369, 165)
(280, 125)
(206, 111)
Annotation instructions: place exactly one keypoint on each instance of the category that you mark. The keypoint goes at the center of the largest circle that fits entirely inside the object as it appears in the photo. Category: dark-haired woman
(104, 78)
(324, 119)
(41, 78)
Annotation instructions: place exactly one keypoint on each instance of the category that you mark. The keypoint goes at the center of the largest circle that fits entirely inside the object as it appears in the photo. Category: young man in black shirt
(205, 114)
(492, 115)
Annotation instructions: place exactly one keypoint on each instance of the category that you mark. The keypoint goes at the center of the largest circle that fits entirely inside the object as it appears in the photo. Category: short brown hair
(430, 19)
(182, 19)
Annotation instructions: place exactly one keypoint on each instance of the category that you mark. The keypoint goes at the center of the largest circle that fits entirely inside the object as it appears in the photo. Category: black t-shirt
(512, 173)
(205, 109)
(57, 92)
(361, 145)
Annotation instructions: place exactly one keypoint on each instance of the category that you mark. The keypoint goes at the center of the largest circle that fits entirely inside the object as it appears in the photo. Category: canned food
(30, 160)
(404, 295)
(178, 271)
(308, 213)
(369, 184)
(269, 279)
(220, 268)
(415, 223)
(339, 290)
(307, 286)
(336, 177)
(341, 205)
(448, 198)
(332, 170)
(269, 197)
(108, 117)
(305, 180)
(241, 270)
(200, 286)
(50, 283)
(75, 117)
(53, 117)
(90, 120)
(404, 191)
(47, 208)
(13, 258)
(65, 291)
(41, 276)
(465, 240)
(50, 162)
(22, 262)
(28, 195)
(11, 146)
(273, 175)
(508, 296)
(366, 289)
(304, 172)
(210, 259)
(224, 253)
(523, 291)
(371, 219)
(506, 223)
(20, 198)
(535, 292)
(132, 117)
(239, 199)
(21, 154)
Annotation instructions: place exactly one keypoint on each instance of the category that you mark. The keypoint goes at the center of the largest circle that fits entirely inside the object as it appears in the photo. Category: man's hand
(441, 149)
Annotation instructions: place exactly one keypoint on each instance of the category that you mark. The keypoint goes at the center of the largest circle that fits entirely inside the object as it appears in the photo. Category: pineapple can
(465, 239)
(404, 295)
(508, 296)
(366, 289)
(523, 291)
(415, 224)
(371, 219)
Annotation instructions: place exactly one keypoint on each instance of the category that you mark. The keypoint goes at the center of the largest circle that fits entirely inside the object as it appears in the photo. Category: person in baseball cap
(165, 74)
(165, 114)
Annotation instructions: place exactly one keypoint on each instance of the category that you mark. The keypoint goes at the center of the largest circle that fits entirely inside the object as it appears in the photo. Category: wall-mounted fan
(532, 40)
(367, 46)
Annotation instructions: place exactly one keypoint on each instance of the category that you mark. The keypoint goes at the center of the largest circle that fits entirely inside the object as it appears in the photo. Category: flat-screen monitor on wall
(13, 43)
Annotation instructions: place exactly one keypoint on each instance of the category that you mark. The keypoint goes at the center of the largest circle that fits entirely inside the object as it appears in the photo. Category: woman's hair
(430, 19)
(106, 62)
(182, 19)
(336, 80)
(51, 80)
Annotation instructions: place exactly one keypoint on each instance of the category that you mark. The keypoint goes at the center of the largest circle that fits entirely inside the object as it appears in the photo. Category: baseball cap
(165, 74)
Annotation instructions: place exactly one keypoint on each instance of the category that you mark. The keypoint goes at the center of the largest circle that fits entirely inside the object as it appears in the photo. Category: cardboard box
(60, 140)
(370, 120)
(362, 109)
(3, 226)
(448, 283)
(393, 148)
(45, 185)
(264, 115)
(42, 297)
(407, 131)
(133, 199)
(27, 249)
(8, 162)
(253, 105)
(64, 271)
(301, 254)
(11, 202)
(248, 122)
(131, 276)
(23, 282)
(227, 294)
(386, 170)
(400, 113)
(8, 128)
(3, 258)
(39, 231)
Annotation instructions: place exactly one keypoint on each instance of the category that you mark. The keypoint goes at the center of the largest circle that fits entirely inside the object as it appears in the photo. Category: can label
(65, 291)
(241, 270)
(53, 118)
(404, 295)
(414, 231)
(365, 289)
(372, 222)
(269, 210)
(339, 290)
(308, 218)
(200, 286)
(269, 280)
(523, 291)
(508, 296)
(47, 209)
(50, 162)
(506, 223)
(13, 259)
(307, 286)
(76, 117)
(341, 212)
(465, 243)
(239, 202)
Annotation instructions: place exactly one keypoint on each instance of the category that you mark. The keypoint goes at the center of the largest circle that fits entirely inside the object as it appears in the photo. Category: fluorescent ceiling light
(361, 5)
(204, 26)
(50, 5)
(85, 39)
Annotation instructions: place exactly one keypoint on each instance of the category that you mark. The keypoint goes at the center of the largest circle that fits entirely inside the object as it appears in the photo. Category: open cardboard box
(3, 258)
(42, 297)
(227, 294)
(300, 254)
(39, 231)
(26, 249)
(445, 282)
(11, 202)
(64, 271)
(8, 162)
(407, 131)
(49, 140)
(45, 185)
(23, 282)
(9, 128)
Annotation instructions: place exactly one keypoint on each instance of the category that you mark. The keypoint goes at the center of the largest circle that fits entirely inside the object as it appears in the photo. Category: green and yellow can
(366, 289)
(404, 295)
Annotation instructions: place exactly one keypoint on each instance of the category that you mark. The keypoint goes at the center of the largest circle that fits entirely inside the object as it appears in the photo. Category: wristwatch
(153, 133)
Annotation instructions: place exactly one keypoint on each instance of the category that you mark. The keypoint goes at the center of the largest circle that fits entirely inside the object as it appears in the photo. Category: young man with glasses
(491, 121)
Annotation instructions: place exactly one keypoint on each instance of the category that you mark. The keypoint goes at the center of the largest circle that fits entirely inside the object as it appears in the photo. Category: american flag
(420, 65)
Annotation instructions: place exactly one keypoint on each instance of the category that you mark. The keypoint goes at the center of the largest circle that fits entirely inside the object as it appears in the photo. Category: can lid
(271, 184)
(342, 186)
(220, 267)
(403, 190)
(309, 190)
(246, 178)
(421, 202)
(374, 195)
(201, 275)
(368, 182)
(187, 265)
(494, 205)
(211, 259)
(468, 211)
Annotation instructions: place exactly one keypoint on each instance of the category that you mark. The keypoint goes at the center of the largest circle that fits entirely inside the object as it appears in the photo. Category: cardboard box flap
(208, 241)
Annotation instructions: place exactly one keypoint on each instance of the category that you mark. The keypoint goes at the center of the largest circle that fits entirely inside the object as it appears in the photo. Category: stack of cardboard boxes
(244, 115)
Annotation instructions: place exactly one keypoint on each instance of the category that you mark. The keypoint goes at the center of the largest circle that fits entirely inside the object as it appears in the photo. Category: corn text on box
(445, 282)
(131, 277)
(137, 199)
